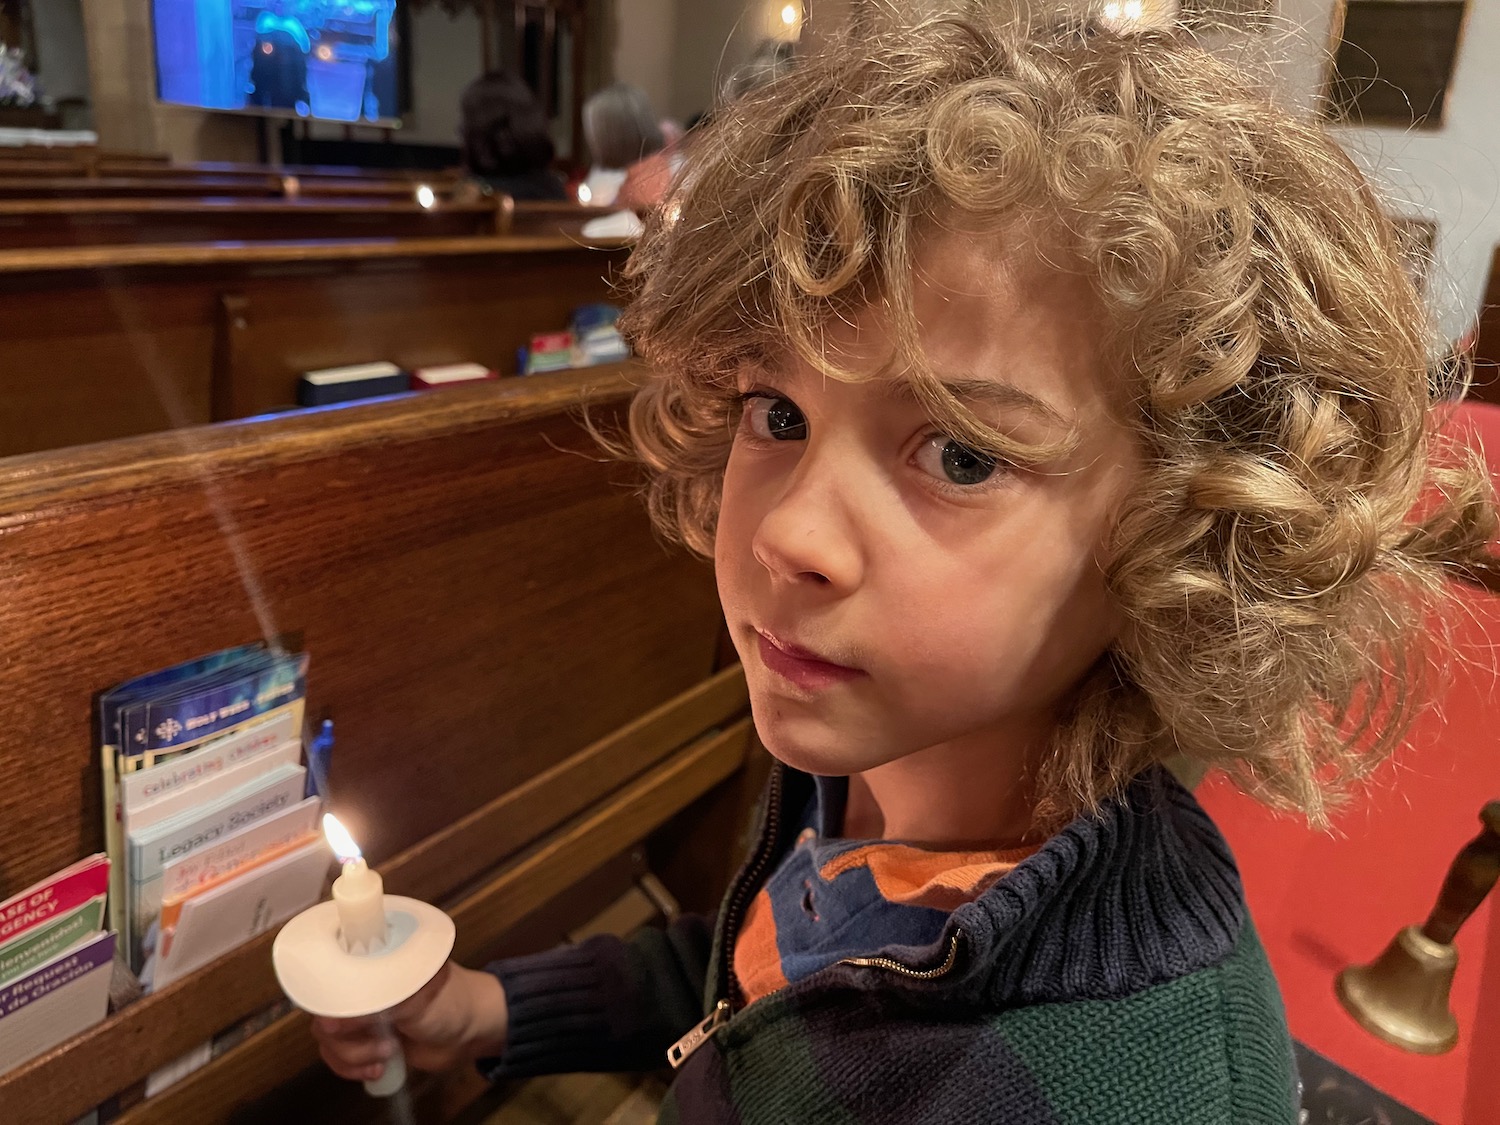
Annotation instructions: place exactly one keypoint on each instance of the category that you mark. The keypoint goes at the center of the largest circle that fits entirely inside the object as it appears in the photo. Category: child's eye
(773, 417)
(952, 462)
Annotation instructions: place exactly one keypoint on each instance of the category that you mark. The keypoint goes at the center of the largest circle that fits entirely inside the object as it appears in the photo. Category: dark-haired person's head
(502, 128)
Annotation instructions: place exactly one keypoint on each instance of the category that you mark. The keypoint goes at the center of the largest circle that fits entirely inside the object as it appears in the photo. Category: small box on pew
(450, 375)
(345, 384)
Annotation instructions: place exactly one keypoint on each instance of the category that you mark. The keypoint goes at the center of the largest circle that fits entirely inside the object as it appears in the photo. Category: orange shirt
(831, 899)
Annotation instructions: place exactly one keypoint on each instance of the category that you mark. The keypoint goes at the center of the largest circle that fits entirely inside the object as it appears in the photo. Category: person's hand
(457, 1016)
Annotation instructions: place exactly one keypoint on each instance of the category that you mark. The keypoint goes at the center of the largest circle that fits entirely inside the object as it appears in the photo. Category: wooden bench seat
(116, 165)
(34, 223)
(262, 185)
(101, 187)
(520, 674)
(532, 217)
(67, 165)
(96, 222)
(109, 341)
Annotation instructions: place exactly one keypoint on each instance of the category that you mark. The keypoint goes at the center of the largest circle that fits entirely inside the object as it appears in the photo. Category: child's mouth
(800, 667)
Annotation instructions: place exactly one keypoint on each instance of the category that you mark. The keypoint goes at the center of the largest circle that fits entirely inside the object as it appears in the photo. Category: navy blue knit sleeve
(606, 1004)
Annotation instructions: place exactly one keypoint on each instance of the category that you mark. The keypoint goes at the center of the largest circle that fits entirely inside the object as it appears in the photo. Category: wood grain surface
(100, 187)
(537, 217)
(89, 160)
(459, 565)
(104, 342)
(410, 309)
(96, 222)
(30, 262)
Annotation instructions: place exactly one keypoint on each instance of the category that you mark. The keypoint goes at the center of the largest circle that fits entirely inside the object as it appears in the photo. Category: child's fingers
(352, 1069)
(363, 1073)
(356, 1058)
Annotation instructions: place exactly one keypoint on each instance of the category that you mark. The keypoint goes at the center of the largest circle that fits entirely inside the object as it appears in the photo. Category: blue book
(164, 681)
(206, 706)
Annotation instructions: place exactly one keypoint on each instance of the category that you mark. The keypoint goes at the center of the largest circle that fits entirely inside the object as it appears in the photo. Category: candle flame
(339, 840)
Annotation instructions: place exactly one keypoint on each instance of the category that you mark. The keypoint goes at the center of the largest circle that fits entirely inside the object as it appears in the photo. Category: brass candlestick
(1402, 996)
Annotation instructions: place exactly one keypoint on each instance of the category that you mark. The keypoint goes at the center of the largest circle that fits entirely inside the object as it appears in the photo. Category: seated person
(504, 140)
(633, 166)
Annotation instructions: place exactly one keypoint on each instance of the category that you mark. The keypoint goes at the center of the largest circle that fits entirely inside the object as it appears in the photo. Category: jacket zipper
(906, 970)
(728, 985)
(678, 1053)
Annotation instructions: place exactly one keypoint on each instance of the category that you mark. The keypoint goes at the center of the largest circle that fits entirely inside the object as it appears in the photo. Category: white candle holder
(323, 978)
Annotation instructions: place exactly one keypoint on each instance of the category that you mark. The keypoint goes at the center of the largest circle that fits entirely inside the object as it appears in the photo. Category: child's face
(952, 603)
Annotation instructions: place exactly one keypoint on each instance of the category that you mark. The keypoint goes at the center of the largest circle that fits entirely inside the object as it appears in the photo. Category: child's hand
(458, 1015)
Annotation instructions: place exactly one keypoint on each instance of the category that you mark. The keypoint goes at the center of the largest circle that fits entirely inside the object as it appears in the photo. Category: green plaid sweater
(1113, 977)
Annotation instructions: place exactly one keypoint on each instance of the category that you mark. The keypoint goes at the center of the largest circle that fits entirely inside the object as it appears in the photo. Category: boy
(1052, 406)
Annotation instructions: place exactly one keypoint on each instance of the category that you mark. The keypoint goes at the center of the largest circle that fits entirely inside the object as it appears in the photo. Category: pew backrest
(108, 341)
(518, 670)
(32, 223)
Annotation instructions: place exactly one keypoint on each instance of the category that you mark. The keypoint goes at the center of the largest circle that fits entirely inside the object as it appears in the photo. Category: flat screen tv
(333, 60)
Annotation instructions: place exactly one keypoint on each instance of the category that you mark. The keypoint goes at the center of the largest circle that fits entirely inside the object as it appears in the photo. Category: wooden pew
(108, 341)
(533, 217)
(93, 177)
(89, 163)
(83, 156)
(50, 152)
(102, 187)
(30, 223)
(40, 180)
(69, 158)
(116, 165)
(296, 187)
(96, 222)
(38, 166)
(520, 675)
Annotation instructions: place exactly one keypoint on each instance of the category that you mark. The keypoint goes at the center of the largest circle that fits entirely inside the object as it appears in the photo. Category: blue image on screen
(330, 59)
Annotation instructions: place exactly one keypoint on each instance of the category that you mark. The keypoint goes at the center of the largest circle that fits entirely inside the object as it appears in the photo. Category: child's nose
(807, 536)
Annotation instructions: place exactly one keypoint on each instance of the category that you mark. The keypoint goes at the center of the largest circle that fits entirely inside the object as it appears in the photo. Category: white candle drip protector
(323, 979)
(326, 975)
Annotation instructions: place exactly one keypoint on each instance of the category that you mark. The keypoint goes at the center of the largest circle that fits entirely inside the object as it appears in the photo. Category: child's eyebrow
(972, 389)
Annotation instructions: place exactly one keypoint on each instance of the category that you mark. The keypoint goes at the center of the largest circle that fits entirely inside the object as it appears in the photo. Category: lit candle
(358, 893)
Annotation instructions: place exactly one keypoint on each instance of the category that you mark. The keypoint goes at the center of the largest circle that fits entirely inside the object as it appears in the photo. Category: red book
(53, 896)
(450, 375)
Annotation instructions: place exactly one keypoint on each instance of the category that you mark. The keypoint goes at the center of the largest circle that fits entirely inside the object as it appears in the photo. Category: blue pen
(319, 757)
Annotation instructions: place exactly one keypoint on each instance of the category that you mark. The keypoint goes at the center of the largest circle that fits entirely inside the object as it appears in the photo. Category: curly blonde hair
(1269, 565)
